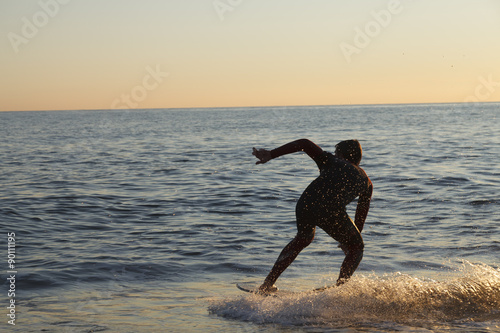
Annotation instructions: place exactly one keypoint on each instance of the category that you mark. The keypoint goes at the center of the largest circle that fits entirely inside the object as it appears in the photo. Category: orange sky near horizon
(60, 55)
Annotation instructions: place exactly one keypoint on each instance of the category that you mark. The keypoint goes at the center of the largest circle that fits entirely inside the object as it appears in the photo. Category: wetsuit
(324, 201)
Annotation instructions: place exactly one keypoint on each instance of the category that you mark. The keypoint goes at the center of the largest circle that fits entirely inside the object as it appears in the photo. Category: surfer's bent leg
(343, 230)
(305, 235)
(351, 262)
(303, 238)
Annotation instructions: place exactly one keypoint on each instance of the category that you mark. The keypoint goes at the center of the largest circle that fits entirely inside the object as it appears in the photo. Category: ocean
(145, 220)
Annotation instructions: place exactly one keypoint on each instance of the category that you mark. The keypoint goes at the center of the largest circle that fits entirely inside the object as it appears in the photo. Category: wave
(397, 298)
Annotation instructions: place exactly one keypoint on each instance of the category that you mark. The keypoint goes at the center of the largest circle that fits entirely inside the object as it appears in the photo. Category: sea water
(144, 220)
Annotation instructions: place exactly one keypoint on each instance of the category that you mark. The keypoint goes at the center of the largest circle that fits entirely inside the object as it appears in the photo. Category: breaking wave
(473, 295)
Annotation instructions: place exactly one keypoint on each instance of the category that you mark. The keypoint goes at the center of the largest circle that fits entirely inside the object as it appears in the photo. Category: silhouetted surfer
(324, 202)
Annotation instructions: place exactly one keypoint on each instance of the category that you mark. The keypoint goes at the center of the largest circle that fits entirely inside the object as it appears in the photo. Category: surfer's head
(349, 150)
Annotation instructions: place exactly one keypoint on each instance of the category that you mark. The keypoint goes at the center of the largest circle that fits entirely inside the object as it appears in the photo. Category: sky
(120, 54)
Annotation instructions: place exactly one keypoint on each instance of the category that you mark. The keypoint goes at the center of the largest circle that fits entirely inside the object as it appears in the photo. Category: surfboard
(324, 288)
(254, 289)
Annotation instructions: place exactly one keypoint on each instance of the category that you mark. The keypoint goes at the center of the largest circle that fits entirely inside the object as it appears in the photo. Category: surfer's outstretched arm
(305, 145)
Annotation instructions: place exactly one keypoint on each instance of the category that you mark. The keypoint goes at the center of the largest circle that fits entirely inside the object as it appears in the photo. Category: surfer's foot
(265, 289)
(341, 281)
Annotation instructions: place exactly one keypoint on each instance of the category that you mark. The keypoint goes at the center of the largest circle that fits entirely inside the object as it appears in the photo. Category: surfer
(324, 202)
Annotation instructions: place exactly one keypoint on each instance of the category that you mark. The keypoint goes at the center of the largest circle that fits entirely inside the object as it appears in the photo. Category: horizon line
(253, 106)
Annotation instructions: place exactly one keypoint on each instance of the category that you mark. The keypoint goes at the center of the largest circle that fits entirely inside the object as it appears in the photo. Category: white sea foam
(473, 294)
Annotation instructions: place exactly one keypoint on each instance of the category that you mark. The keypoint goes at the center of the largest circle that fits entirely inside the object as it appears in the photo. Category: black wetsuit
(324, 201)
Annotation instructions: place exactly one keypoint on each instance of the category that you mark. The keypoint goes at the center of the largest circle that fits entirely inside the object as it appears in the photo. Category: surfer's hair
(350, 150)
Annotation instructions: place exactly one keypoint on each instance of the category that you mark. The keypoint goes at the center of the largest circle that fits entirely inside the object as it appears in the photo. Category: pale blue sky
(89, 54)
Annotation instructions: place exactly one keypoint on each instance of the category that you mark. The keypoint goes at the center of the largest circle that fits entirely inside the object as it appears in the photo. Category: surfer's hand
(263, 155)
